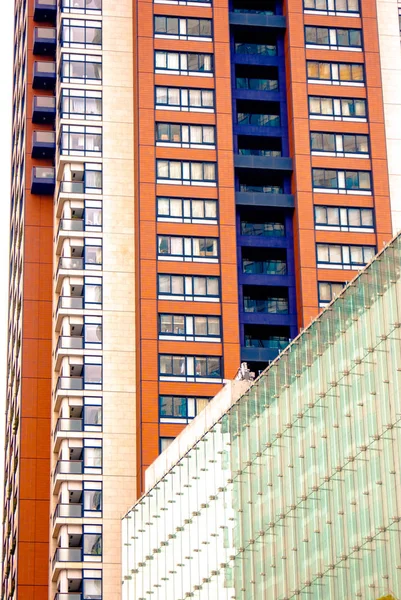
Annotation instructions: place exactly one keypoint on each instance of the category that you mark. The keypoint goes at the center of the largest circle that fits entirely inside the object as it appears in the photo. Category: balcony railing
(261, 189)
(70, 383)
(253, 11)
(66, 262)
(64, 424)
(68, 511)
(278, 306)
(272, 344)
(45, 10)
(258, 120)
(251, 83)
(43, 180)
(44, 109)
(44, 75)
(268, 267)
(258, 152)
(67, 555)
(263, 229)
(72, 596)
(71, 225)
(260, 49)
(68, 467)
(70, 302)
(66, 342)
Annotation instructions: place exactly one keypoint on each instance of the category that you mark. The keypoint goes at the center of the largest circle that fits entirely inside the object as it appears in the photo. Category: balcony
(70, 384)
(248, 159)
(256, 19)
(43, 181)
(254, 49)
(44, 76)
(65, 555)
(264, 267)
(44, 110)
(71, 225)
(68, 511)
(68, 346)
(45, 11)
(258, 120)
(68, 467)
(266, 300)
(71, 264)
(44, 41)
(263, 194)
(64, 427)
(70, 303)
(256, 84)
(43, 144)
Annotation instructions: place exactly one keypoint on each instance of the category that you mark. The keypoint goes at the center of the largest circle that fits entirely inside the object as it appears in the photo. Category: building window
(336, 256)
(81, 68)
(340, 144)
(76, 33)
(342, 73)
(184, 99)
(92, 456)
(337, 109)
(185, 2)
(335, 39)
(187, 249)
(328, 290)
(92, 498)
(92, 542)
(81, 140)
(190, 328)
(339, 218)
(263, 228)
(185, 136)
(165, 442)
(93, 253)
(92, 584)
(81, 6)
(184, 63)
(174, 409)
(187, 210)
(180, 172)
(333, 6)
(346, 182)
(183, 28)
(81, 104)
(189, 287)
(190, 368)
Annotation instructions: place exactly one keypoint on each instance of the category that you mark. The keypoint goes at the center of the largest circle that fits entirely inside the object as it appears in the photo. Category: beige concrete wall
(390, 58)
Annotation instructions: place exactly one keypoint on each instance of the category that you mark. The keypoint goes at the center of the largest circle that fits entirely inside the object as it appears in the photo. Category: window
(184, 99)
(342, 39)
(81, 140)
(165, 442)
(340, 144)
(344, 218)
(92, 584)
(185, 136)
(190, 328)
(186, 173)
(80, 104)
(188, 287)
(92, 456)
(184, 63)
(93, 253)
(81, 68)
(183, 28)
(336, 256)
(92, 332)
(92, 542)
(189, 368)
(185, 2)
(187, 249)
(263, 229)
(344, 73)
(175, 408)
(81, 34)
(186, 210)
(92, 372)
(328, 290)
(337, 109)
(92, 498)
(81, 6)
(346, 182)
(333, 6)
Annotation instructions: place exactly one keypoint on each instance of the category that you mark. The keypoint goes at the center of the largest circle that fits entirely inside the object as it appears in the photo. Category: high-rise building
(191, 181)
(291, 488)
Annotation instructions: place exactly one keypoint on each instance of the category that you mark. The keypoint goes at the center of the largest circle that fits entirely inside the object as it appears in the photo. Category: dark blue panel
(257, 199)
(277, 163)
(255, 20)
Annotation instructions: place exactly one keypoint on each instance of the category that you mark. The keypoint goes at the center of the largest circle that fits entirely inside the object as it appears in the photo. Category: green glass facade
(294, 490)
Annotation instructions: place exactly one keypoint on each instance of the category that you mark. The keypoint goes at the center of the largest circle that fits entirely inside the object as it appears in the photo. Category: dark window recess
(259, 43)
(258, 78)
(264, 261)
(262, 222)
(264, 183)
(266, 336)
(265, 299)
(259, 146)
(260, 7)
(258, 114)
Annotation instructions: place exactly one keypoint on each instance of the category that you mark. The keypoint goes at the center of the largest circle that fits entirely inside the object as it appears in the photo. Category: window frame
(188, 286)
(185, 99)
(323, 302)
(186, 172)
(68, 95)
(86, 25)
(335, 73)
(186, 131)
(341, 178)
(338, 149)
(182, 63)
(182, 28)
(187, 211)
(343, 219)
(191, 408)
(188, 247)
(66, 133)
(189, 333)
(345, 250)
(331, 11)
(189, 367)
(333, 38)
(337, 113)
(86, 60)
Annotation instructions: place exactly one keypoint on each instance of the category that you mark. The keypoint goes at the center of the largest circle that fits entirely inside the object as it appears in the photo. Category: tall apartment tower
(191, 181)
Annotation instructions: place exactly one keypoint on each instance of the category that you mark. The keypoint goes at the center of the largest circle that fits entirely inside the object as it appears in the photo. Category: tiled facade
(192, 180)
(291, 488)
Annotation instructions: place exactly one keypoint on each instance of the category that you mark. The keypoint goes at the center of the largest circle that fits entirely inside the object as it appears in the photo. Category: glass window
(93, 457)
(92, 588)
(323, 142)
(208, 366)
(93, 500)
(92, 544)
(173, 407)
(165, 443)
(77, 68)
(329, 290)
(93, 374)
(172, 365)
